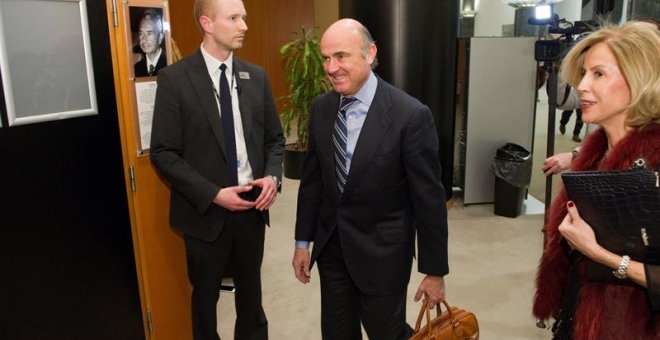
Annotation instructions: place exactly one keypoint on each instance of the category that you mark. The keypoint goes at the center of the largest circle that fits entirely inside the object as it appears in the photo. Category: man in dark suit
(150, 38)
(220, 194)
(370, 181)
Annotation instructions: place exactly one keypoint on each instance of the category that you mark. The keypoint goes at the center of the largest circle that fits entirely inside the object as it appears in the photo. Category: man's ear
(206, 23)
(371, 54)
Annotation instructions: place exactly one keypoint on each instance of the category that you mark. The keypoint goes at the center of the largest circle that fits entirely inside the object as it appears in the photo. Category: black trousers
(344, 307)
(237, 252)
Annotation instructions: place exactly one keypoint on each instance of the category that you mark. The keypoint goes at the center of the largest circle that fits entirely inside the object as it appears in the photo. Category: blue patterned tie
(227, 119)
(339, 137)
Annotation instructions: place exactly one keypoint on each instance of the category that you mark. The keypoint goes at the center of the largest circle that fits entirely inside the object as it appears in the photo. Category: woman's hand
(579, 234)
(581, 237)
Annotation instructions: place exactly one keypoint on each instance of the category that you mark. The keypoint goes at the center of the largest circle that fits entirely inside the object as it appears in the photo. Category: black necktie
(227, 118)
(340, 139)
(151, 69)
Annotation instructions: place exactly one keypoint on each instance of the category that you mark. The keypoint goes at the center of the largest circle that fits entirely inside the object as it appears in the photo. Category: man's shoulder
(327, 97)
(397, 95)
(248, 66)
(186, 63)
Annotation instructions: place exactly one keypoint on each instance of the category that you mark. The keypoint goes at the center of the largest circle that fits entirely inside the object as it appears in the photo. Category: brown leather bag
(452, 324)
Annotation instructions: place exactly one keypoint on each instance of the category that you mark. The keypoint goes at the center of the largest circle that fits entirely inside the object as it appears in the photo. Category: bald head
(349, 26)
(349, 53)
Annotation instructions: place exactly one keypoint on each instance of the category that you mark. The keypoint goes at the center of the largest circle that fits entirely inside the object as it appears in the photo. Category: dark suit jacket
(393, 189)
(188, 148)
(141, 69)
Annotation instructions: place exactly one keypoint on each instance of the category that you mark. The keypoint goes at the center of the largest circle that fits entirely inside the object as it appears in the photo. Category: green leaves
(306, 80)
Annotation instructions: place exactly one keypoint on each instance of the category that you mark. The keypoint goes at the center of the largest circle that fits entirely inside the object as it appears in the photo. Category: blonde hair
(204, 7)
(636, 47)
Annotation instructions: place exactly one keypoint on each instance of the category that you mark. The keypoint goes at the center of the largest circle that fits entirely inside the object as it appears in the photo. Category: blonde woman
(616, 71)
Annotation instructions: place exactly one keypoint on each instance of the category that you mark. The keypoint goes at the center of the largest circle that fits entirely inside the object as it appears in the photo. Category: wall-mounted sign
(45, 60)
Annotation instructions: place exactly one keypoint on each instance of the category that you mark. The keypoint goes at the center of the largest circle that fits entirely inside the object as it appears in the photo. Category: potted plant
(303, 71)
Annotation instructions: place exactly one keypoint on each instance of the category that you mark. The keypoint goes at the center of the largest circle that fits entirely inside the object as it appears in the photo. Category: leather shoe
(576, 138)
(562, 128)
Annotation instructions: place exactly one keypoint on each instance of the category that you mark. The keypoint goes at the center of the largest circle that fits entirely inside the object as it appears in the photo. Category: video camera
(554, 50)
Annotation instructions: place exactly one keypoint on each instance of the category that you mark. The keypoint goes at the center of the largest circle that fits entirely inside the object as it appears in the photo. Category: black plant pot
(293, 161)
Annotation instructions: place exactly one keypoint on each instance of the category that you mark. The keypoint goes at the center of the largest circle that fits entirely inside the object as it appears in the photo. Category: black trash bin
(512, 167)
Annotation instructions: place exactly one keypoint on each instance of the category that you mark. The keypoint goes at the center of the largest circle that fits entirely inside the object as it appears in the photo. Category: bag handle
(426, 309)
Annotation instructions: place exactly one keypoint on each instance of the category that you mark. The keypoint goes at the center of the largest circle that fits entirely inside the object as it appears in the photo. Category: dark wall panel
(417, 52)
(67, 264)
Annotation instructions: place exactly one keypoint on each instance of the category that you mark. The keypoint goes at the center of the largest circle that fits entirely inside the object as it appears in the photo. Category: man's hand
(301, 264)
(228, 198)
(557, 163)
(268, 192)
(432, 288)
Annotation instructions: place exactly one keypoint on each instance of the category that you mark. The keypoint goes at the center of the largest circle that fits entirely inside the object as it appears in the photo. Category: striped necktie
(339, 137)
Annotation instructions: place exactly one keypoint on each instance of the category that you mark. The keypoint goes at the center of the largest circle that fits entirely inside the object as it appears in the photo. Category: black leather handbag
(623, 208)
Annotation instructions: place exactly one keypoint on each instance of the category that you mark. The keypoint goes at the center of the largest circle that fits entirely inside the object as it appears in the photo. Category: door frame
(159, 250)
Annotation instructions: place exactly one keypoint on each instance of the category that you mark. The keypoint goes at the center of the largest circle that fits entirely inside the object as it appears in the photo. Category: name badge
(244, 75)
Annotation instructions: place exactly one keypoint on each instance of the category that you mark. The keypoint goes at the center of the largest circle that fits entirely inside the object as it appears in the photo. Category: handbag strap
(426, 309)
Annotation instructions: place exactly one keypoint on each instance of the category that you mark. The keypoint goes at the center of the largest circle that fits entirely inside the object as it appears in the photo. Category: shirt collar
(366, 94)
(153, 61)
(213, 64)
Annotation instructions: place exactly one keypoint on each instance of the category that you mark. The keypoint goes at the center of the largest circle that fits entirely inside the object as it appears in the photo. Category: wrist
(275, 180)
(302, 244)
(574, 154)
(621, 271)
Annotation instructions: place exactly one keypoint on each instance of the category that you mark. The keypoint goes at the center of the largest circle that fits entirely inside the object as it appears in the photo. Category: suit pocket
(385, 167)
(394, 233)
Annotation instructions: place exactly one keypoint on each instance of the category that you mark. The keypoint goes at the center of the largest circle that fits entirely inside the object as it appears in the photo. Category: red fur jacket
(603, 311)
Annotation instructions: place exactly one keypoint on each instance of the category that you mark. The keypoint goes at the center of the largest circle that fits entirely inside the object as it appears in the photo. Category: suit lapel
(203, 88)
(328, 115)
(242, 77)
(373, 131)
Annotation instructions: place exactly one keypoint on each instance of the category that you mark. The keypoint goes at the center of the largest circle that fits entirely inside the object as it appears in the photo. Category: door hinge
(150, 321)
(115, 20)
(131, 174)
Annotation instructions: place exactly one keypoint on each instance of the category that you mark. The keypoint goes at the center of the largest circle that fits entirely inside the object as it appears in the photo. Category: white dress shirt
(213, 66)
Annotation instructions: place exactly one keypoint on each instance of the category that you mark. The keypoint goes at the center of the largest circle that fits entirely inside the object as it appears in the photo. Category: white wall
(491, 15)
(569, 9)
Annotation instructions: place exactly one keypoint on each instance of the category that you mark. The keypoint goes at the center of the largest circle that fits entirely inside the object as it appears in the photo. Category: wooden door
(159, 250)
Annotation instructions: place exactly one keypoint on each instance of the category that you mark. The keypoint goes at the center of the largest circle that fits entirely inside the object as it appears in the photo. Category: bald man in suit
(370, 182)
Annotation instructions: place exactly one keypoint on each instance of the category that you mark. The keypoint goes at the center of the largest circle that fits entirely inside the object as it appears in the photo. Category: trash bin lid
(513, 152)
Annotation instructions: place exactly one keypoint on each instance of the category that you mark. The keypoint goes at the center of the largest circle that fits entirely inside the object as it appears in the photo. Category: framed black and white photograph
(45, 60)
(149, 50)
(148, 40)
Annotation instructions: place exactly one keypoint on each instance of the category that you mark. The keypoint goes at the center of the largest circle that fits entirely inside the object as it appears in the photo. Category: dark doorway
(68, 270)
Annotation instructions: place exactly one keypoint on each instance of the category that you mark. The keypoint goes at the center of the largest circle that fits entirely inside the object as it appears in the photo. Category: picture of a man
(150, 38)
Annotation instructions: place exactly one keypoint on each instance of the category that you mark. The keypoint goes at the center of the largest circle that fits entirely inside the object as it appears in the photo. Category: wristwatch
(620, 273)
(277, 181)
(575, 152)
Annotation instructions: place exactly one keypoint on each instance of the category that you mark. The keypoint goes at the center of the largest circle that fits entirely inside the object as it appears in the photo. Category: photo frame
(148, 27)
(149, 40)
(45, 62)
